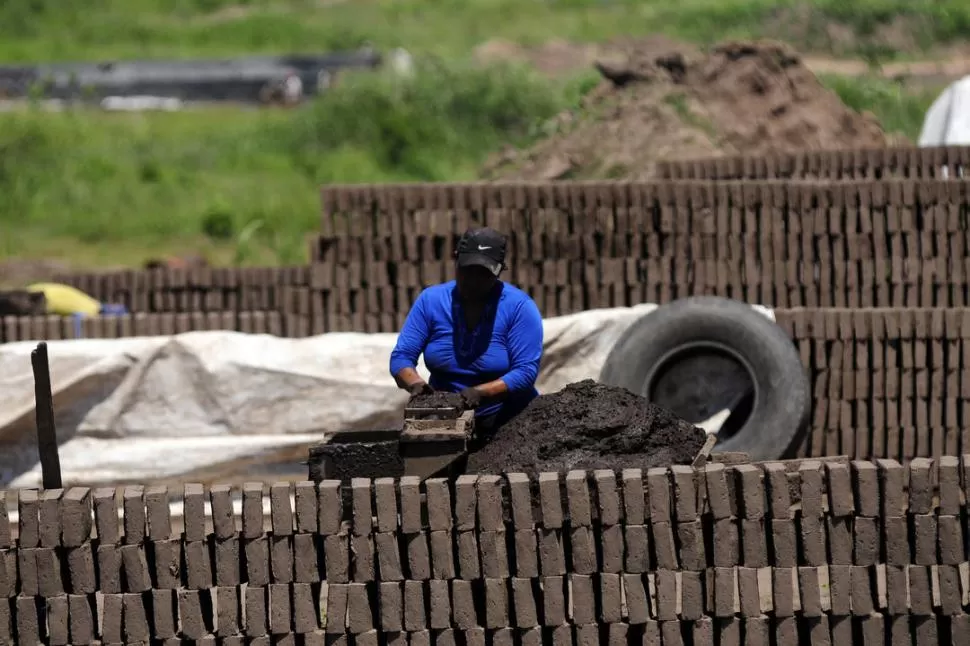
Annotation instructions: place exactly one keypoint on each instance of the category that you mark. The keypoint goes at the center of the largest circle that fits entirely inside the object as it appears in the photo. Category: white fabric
(947, 122)
(210, 405)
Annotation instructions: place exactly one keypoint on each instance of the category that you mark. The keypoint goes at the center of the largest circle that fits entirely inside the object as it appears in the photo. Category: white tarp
(947, 122)
(210, 405)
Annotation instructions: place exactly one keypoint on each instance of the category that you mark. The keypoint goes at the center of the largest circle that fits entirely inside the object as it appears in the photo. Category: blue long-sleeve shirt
(506, 345)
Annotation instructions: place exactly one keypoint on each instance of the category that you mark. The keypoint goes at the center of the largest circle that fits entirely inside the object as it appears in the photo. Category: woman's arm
(525, 353)
(410, 344)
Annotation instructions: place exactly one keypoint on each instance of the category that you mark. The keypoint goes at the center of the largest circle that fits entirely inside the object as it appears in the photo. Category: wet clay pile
(659, 101)
(437, 400)
(588, 425)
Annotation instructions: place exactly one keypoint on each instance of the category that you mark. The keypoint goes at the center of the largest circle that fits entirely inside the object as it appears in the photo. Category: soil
(659, 100)
(588, 425)
(437, 400)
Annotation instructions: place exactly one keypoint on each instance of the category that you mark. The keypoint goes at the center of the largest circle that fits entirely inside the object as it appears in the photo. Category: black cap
(483, 247)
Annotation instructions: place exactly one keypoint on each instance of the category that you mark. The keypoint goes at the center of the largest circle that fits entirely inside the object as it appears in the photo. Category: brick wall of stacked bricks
(755, 554)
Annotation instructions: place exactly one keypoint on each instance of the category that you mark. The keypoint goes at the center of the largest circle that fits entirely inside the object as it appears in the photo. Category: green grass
(899, 110)
(138, 184)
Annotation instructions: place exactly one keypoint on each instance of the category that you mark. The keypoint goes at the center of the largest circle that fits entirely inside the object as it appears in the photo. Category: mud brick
(337, 602)
(526, 560)
(105, 515)
(442, 555)
(469, 566)
(494, 556)
(439, 504)
(359, 613)
(664, 545)
(692, 596)
(873, 630)
(724, 592)
(950, 598)
(562, 635)
(611, 547)
(920, 486)
(411, 512)
(363, 558)
(465, 502)
(750, 483)
(897, 590)
(784, 543)
(819, 631)
(577, 495)
(362, 506)
(329, 507)
(26, 571)
(227, 562)
(83, 618)
(195, 612)
(611, 598)
(618, 634)
(198, 566)
(223, 517)
(58, 621)
(896, 540)
(839, 487)
(135, 619)
(5, 538)
(582, 550)
(685, 493)
(649, 634)
(607, 497)
(8, 573)
(49, 582)
(320, 638)
(924, 552)
(550, 498)
(783, 591)
(256, 620)
(385, 498)
(862, 591)
(281, 557)
(28, 508)
(949, 477)
(388, 557)
(637, 543)
(754, 543)
(583, 599)
(666, 591)
(280, 609)
(282, 511)
(779, 495)
(305, 501)
(658, 495)
(670, 633)
(728, 631)
(719, 499)
(866, 488)
(528, 637)
(749, 592)
(786, 630)
(810, 592)
(840, 539)
(252, 510)
(702, 632)
(524, 603)
(691, 541)
(49, 526)
(637, 603)
(109, 569)
(28, 624)
(552, 559)
(82, 578)
(228, 611)
(587, 635)
(553, 600)
(159, 514)
(463, 604)
(891, 482)
(336, 550)
(726, 543)
(520, 495)
(167, 561)
(439, 605)
(813, 540)
(193, 512)
(959, 629)
(415, 612)
(634, 504)
(920, 590)
(842, 630)
(391, 607)
(812, 489)
(135, 562)
(950, 540)
(135, 519)
(490, 513)
(756, 631)
(111, 622)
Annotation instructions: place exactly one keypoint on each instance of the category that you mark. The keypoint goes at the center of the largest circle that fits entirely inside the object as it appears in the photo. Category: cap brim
(479, 260)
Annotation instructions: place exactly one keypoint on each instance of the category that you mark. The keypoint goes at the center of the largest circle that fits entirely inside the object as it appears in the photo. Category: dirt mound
(588, 425)
(437, 400)
(745, 97)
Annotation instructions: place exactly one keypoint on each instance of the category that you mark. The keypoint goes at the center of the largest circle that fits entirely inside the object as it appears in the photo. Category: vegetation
(899, 110)
(241, 185)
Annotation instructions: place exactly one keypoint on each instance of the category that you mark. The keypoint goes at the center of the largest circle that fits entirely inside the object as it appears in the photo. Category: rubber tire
(780, 415)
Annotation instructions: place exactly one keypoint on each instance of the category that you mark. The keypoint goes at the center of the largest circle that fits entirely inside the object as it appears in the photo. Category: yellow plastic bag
(66, 300)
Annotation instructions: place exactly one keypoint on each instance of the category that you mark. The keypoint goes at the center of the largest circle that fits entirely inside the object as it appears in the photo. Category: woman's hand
(420, 388)
(471, 397)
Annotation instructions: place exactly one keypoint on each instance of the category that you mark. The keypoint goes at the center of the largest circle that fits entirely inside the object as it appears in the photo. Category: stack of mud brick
(820, 552)
(858, 163)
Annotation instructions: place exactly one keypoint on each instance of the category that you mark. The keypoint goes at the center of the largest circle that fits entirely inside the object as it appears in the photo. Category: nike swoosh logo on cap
(483, 248)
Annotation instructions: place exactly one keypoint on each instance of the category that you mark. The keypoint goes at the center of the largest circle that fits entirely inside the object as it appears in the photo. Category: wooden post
(50, 461)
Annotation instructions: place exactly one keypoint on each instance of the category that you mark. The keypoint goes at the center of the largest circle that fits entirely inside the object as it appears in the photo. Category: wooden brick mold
(814, 549)
(859, 163)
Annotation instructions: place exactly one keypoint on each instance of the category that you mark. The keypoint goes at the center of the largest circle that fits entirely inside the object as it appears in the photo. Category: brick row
(859, 163)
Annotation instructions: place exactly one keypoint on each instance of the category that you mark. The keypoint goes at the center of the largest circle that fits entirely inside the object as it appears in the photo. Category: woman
(480, 337)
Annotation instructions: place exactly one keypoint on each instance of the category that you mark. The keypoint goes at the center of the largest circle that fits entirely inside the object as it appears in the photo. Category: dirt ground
(660, 100)
(588, 425)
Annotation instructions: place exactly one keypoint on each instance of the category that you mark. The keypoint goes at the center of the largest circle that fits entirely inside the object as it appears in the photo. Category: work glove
(420, 388)
(471, 397)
